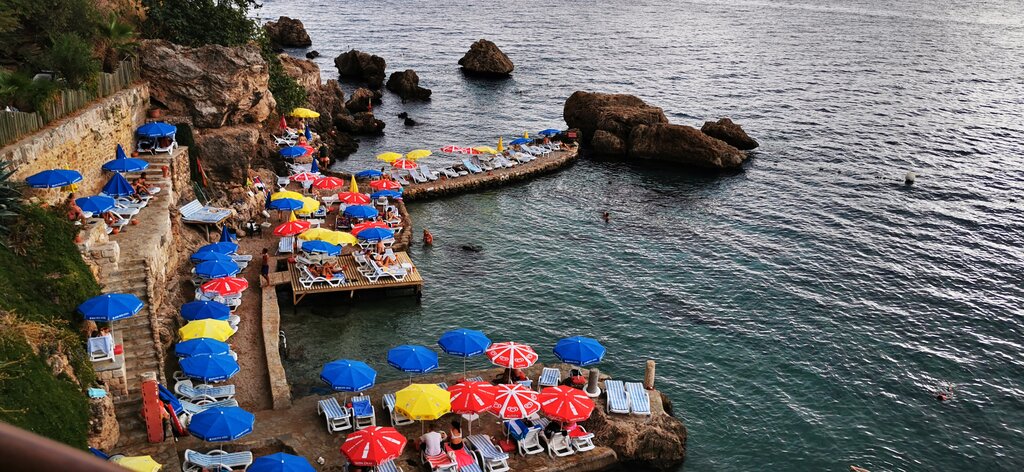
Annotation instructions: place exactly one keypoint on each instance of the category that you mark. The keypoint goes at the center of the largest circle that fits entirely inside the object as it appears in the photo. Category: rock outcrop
(729, 132)
(657, 442)
(312, 54)
(361, 66)
(359, 123)
(360, 100)
(305, 72)
(625, 127)
(227, 153)
(406, 84)
(210, 86)
(485, 59)
(103, 428)
(287, 32)
(682, 144)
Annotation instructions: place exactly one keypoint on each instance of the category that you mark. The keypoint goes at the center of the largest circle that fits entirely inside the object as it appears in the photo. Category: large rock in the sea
(305, 72)
(657, 442)
(359, 123)
(485, 59)
(608, 143)
(211, 86)
(361, 66)
(406, 84)
(360, 100)
(614, 113)
(227, 153)
(685, 145)
(287, 32)
(729, 132)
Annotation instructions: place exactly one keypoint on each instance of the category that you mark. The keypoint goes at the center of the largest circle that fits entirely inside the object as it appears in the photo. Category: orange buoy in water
(428, 239)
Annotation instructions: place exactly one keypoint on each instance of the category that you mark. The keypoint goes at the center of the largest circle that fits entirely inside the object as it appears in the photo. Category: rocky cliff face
(306, 73)
(211, 86)
(484, 58)
(625, 127)
(287, 32)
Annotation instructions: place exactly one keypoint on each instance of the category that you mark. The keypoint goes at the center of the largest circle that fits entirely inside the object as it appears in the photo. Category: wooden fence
(15, 124)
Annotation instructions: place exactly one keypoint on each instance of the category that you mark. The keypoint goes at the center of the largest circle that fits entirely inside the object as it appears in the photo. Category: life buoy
(428, 239)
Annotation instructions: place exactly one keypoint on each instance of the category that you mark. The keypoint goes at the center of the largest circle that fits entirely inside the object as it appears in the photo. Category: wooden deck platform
(355, 280)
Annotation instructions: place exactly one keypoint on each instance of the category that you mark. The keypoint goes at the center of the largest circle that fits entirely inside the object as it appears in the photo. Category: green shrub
(288, 93)
(19, 90)
(200, 22)
(71, 58)
(27, 26)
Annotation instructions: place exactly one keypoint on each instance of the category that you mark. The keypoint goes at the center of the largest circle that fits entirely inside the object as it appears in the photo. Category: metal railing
(15, 124)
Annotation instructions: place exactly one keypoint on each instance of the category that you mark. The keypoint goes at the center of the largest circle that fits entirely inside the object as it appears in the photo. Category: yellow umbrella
(389, 157)
(328, 236)
(304, 113)
(216, 329)
(309, 205)
(501, 146)
(423, 401)
(487, 149)
(286, 194)
(353, 187)
(138, 463)
(526, 134)
(417, 154)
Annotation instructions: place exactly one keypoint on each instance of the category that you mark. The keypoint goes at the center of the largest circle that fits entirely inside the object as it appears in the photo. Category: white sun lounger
(338, 418)
(186, 390)
(480, 164)
(101, 348)
(583, 443)
(188, 408)
(417, 176)
(617, 402)
(450, 172)
(548, 377)
(397, 418)
(376, 272)
(216, 459)
(558, 446)
(364, 416)
(472, 167)
(399, 178)
(308, 280)
(389, 466)
(429, 174)
(639, 399)
(493, 459)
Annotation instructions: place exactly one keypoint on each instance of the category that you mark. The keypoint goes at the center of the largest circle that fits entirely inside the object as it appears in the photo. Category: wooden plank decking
(355, 280)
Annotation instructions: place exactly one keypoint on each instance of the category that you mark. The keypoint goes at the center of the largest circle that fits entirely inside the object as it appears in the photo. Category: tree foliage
(199, 22)
(71, 58)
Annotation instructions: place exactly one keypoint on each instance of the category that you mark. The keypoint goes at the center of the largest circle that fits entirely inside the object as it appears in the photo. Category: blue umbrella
(579, 351)
(53, 178)
(221, 423)
(549, 132)
(223, 248)
(225, 235)
(205, 310)
(215, 269)
(309, 134)
(385, 193)
(519, 141)
(156, 130)
(292, 151)
(361, 211)
(314, 168)
(95, 204)
(281, 462)
(122, 163)
(321, 247)
(118, 186)
(368, 174)
(110, 307)
(287, 204)
(376, 234)
(464, 343)
(348, 376)
(201, 347)
(209, 368)
(413, 359)
(205, 256)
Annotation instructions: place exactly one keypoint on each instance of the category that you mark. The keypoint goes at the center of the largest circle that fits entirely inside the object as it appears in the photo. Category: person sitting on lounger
(391, 215)
(75, 212)
(384, 261)
(554, 428)
(330, 270)
(110, 218)
(430, 443)
(380, 247)
(140, 185)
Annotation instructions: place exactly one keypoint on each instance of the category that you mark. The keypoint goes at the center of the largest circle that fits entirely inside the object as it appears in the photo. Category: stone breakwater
(490, 179)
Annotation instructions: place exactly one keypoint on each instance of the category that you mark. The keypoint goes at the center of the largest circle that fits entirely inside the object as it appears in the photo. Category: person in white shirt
(430, 443)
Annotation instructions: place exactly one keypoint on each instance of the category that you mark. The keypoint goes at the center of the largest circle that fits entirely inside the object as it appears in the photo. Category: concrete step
(122, 274)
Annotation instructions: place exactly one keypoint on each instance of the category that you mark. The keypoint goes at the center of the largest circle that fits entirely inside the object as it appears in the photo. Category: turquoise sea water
(802, 311)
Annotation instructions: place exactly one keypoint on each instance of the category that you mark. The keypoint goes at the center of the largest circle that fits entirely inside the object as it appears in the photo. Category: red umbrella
(511, 355)
(328, 183)
(514, 401)
(304, 177)
(354, 198)
(226, 286)
(404, 164)
(450, 149)
(373, 446)
(291, 228)
(385, 185)
(472, 397)
(367, 225)
(309, 149)
(565, 404)
(284, 123)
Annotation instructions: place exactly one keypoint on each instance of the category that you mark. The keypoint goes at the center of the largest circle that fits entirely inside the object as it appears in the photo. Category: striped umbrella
(291, 227)
(385, 185)
(328, 183)
(354, 198)
(404, 164)
(565, 404)
(514, 401)
(304, 177)
(472, 397)
(511, 355)
(373, 446)
(225, 286)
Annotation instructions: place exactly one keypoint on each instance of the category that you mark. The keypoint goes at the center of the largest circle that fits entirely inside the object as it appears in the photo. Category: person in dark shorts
(265, 268)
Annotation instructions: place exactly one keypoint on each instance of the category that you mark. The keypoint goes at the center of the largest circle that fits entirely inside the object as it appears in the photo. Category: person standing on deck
(265, 267)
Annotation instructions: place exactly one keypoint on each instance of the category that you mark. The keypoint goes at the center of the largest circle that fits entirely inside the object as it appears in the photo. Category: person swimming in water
(606, 216)
(944, 394)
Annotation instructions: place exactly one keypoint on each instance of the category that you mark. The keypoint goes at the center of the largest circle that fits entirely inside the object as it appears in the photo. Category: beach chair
(397, 418)
(338, 418)
(639, 400)
(429, 174)
(526, 383)
(186, 390)
(450, 172)
(549, 377)
(617, 401)
(472, 167)
(492, 458)
(285, 141)
(146, 145)
(363, 413)
(439, 463)
(580, 439)
(101, 348)
(558, 446)
(286, 245)
(527, 438)
(216, 460)
(308, 280)
(417, 177)
(189, 408)
(376, 272)
(388, 466)
(475, 379)
(480, 164)
(169, 148)
(399, 178)
(465, 461)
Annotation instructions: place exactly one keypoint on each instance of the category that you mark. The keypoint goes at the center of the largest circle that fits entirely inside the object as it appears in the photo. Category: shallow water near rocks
(802, 311)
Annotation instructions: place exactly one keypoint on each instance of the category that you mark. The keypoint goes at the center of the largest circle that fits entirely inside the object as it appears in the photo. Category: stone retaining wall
(280, 393)
(82, 141)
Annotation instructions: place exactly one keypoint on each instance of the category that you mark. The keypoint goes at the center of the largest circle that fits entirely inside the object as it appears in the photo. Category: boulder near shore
(361, 66)
(484, 58)
(406, 84)
(729, 132)
(623, 126)
(287, 32)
